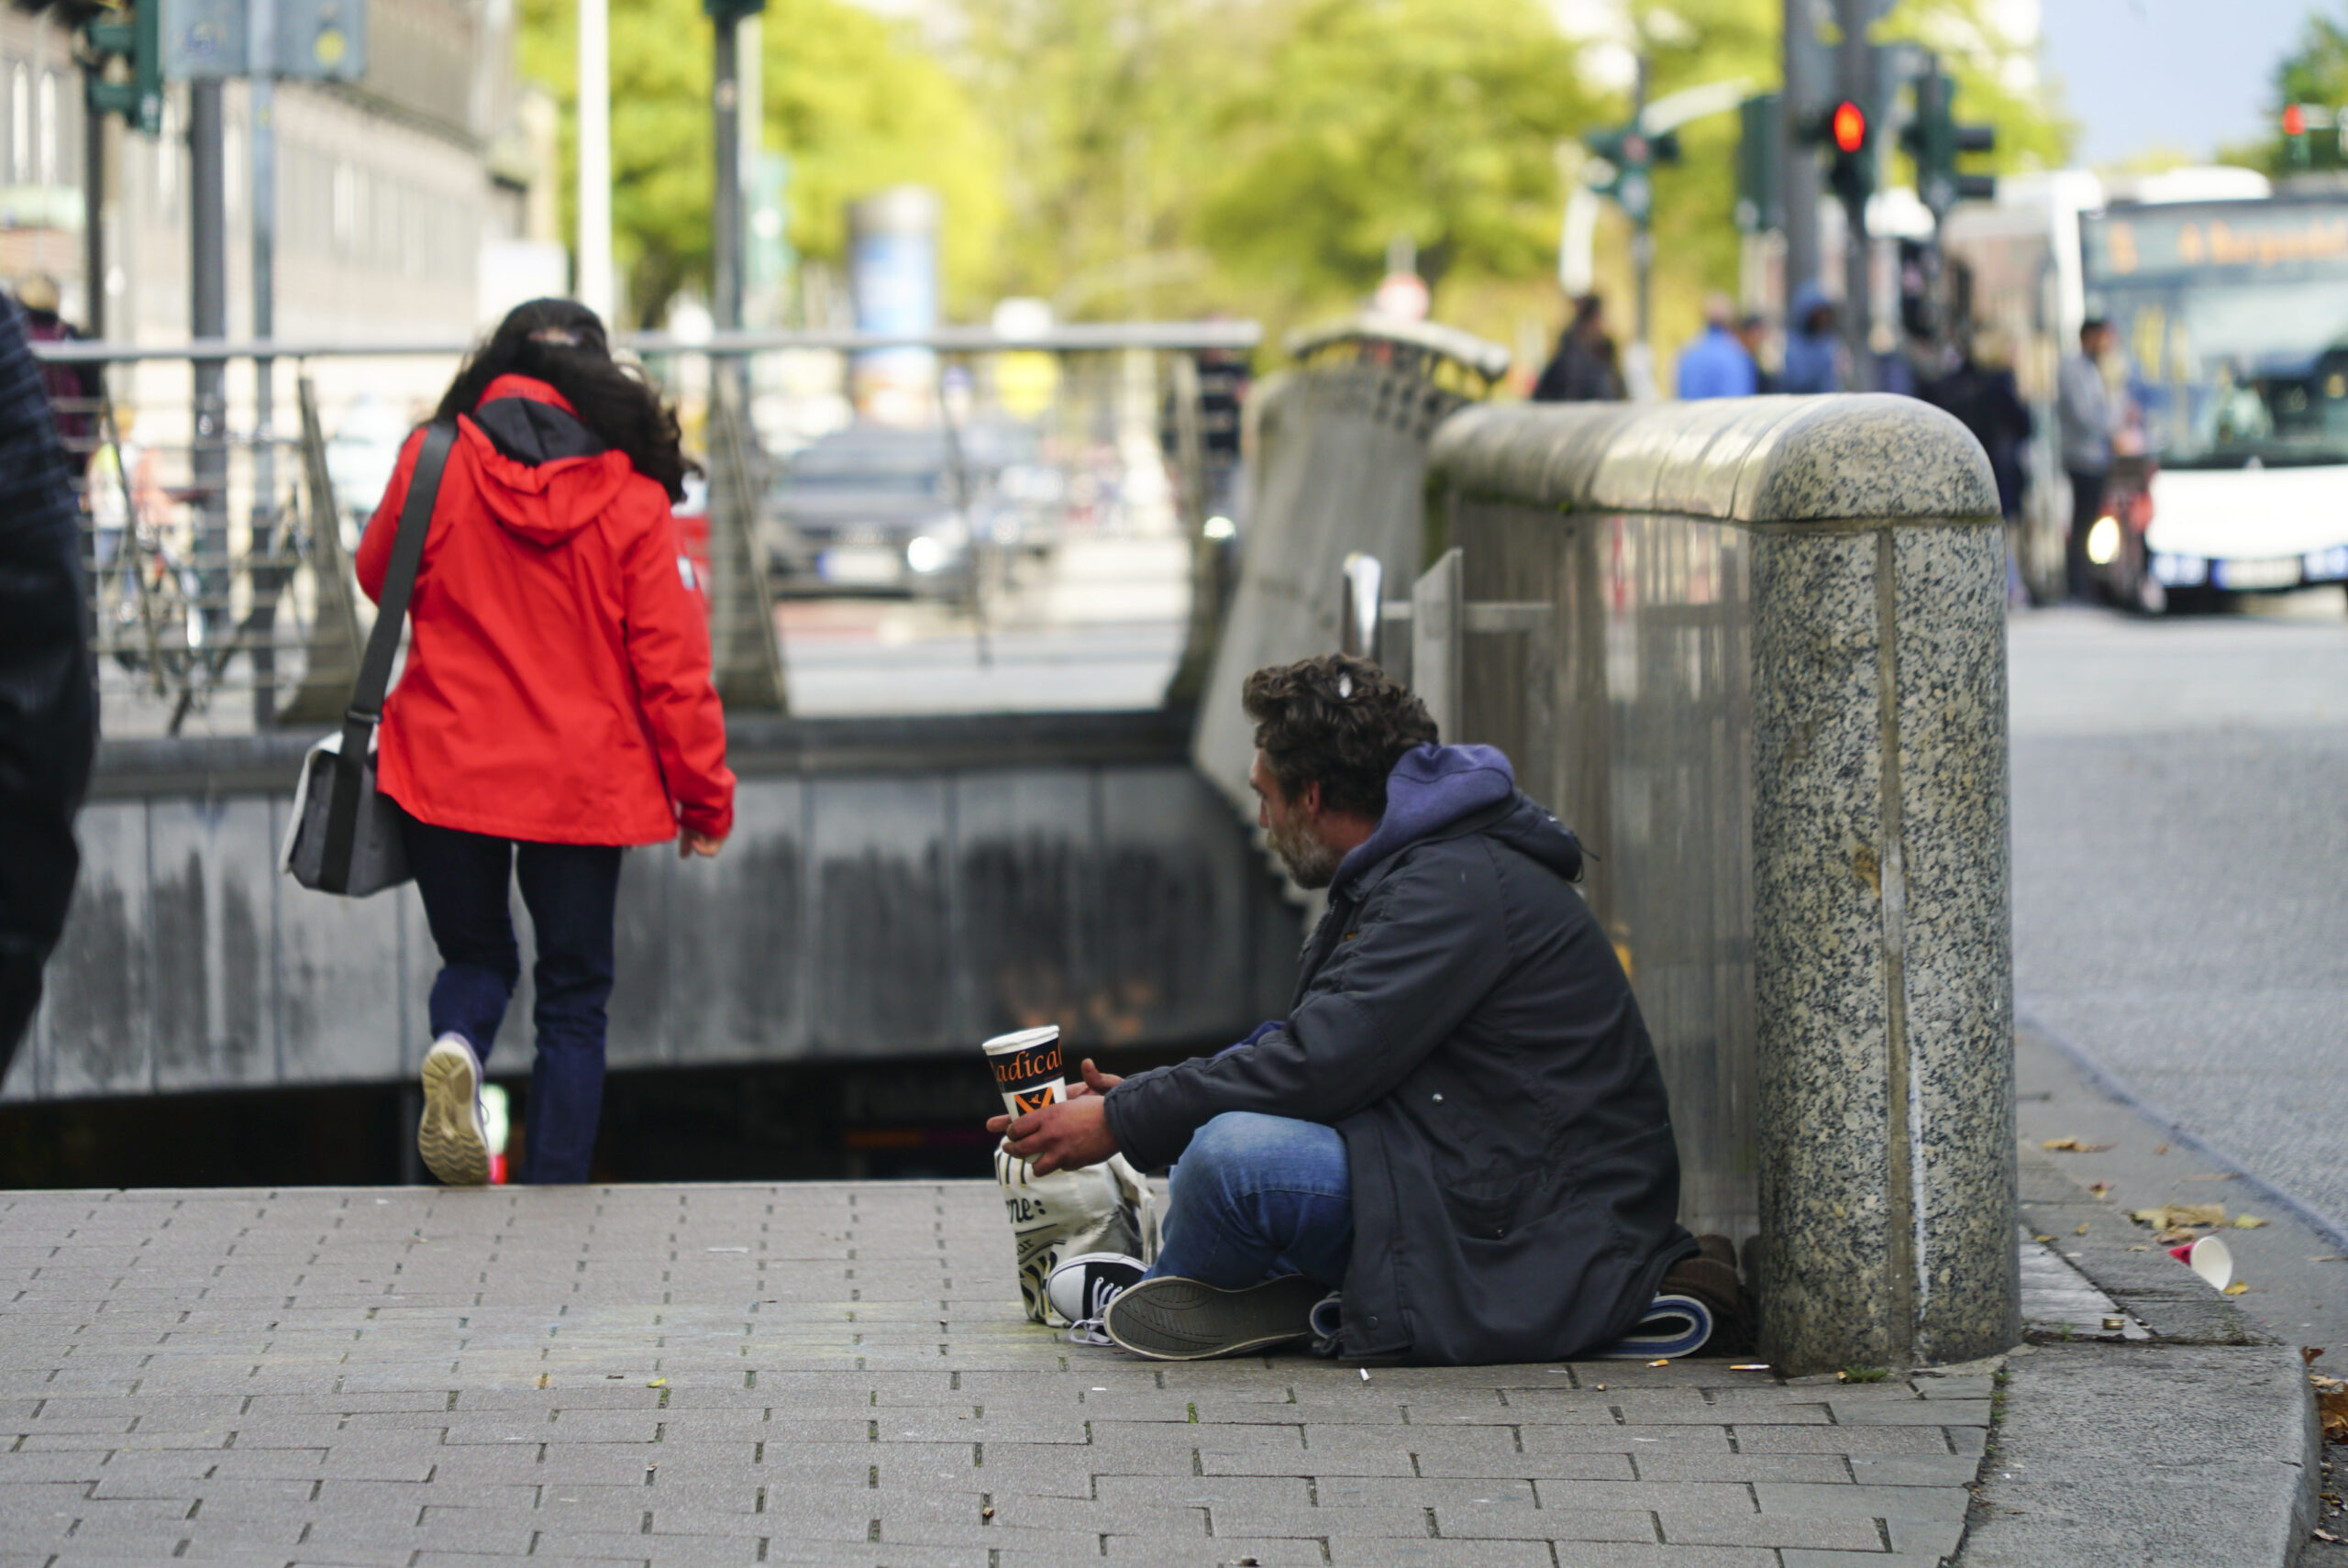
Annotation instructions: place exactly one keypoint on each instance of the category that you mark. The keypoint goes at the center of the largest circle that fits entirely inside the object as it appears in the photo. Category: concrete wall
(1770, 695)
(1340, 459)
(891, 888)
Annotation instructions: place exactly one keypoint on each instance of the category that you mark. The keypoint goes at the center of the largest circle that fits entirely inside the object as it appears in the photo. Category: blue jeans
(570, 890)
(1254, 1197)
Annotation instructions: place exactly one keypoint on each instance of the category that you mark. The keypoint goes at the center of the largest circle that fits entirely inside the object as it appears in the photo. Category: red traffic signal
(1848, 126)
(2294, 120)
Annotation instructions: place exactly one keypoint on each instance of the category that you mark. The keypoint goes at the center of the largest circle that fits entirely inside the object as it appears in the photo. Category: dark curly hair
(563, 343)
(1339, 722)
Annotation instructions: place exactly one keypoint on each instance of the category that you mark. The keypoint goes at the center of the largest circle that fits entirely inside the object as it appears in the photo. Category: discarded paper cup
(2208, 1257)
(1027, 1069)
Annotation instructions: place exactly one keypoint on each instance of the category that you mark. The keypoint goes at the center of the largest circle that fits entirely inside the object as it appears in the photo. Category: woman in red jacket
(555, 707)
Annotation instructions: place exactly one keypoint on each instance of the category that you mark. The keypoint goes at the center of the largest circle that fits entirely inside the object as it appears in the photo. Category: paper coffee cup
(1027, 1069)
(2208, 1257)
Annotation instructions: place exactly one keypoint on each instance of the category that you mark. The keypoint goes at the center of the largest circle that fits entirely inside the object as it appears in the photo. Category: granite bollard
(1774, 703)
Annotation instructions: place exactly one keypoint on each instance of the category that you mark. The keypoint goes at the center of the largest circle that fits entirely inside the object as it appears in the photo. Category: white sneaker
(1082, 1287)
(452, 1137)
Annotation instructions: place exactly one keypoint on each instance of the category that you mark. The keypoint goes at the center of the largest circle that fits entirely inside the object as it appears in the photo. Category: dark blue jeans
(1256, 1197)
(569, 890)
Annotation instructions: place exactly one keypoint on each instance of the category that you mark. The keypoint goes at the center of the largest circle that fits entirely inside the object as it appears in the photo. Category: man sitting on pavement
(1460, 1122)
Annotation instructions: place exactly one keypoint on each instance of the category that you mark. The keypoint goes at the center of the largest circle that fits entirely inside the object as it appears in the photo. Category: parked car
(881, 509)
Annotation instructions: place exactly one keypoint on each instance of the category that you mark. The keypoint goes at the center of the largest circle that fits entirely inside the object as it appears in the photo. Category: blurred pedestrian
(556, 706)
(48, 708)
(2085, 420)
(1813, 352)
(1717, 364)
(1585, 369)
(73, 389)
(1753, 331)
(1981, 392)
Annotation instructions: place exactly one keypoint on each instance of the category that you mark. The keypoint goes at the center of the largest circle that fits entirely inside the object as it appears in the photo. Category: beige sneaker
(452, 1138)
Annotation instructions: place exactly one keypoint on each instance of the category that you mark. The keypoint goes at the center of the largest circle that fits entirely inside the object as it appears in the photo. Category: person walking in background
(1753, 331)
(1716, 364)
(2083, 418)
(556, 706)
(73, 389)
(1585, 367)
(1982, 394)
(1813, 353)
(49, 703)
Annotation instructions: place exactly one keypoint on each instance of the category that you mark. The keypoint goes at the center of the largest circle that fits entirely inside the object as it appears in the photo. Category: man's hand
(1095, 1081)
(1064, 1137)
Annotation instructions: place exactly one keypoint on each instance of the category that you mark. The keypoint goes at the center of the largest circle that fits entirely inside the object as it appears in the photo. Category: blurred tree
(2315, 72)
(1433, 120)
(856, 103)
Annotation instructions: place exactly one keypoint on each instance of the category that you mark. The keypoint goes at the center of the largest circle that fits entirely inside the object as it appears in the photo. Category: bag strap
(366, 708)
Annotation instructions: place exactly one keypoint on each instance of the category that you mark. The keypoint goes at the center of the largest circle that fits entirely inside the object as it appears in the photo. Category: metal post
(93, 220)
(595, 285)
(208, 318)
(1799, 103)
(262, 29)
(726, 208)
(1854, 69)
(1642, 238)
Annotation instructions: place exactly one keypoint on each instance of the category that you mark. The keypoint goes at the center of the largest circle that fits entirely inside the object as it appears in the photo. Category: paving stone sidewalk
(838, 1374)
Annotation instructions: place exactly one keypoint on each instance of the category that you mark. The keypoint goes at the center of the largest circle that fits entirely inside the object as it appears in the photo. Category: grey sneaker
(452, 1137)
(1182, 1320)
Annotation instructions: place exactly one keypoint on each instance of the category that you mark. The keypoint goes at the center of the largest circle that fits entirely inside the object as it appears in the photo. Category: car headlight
(925, 553)
(2103, 541)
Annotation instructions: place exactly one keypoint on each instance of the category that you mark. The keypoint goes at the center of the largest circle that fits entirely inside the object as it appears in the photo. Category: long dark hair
(563, 343)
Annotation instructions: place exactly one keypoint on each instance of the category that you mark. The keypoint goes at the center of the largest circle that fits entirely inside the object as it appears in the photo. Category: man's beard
(1311, 862)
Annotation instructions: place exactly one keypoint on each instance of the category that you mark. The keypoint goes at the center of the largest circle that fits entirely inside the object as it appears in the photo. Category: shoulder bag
(341, 836)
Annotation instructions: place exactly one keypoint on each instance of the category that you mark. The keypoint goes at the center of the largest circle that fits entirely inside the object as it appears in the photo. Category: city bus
(2231, 305)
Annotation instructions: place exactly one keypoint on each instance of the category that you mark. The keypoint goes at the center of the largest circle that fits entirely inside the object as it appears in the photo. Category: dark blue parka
(1463, 1022)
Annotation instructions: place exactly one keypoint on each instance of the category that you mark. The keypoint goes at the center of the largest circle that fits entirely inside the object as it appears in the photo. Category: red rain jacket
(557, 688)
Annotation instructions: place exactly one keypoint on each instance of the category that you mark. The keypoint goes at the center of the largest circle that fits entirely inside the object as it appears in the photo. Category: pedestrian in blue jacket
(1717, 364)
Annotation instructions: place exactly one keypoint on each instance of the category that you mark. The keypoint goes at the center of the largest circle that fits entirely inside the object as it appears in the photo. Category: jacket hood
(541, 470)
(1432, 788)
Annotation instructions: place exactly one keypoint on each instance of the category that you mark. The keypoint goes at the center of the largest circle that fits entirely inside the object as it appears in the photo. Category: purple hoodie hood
(1431, 787)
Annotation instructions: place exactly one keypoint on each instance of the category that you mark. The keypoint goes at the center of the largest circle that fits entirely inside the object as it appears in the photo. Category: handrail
(1072, 337)
(1488, 360)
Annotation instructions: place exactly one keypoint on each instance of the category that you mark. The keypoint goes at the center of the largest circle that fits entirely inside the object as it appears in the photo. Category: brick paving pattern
(836, 1374)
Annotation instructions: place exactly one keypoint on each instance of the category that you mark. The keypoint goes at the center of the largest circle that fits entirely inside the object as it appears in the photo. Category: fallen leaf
(2171, 1216)
(2042, 1241)
(2100, 1188)
(2237, 1287)
(2160, 1148)
(2072, 1146)
(657, 1383)
(2080, 1231)
(2247, 1222)
(2309, 1353)
(2325, 1535)
(542, 1380)
(1664, 1362)
(2331, 1404)
(2140, 1247)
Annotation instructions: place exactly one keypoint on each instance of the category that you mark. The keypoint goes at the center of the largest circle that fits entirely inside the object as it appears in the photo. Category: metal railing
(219, 532)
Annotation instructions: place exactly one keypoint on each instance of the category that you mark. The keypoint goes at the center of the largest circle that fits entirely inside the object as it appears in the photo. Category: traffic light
(732, 10)
(1760, 191)
(136, 40)
(1629, 156)
(1850, 148)
(1935, 141)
